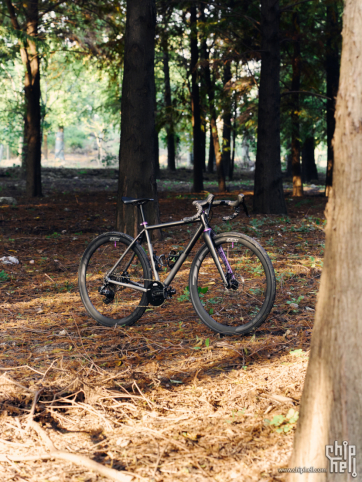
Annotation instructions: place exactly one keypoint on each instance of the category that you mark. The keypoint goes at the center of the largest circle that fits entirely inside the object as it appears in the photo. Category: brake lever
(232, 216)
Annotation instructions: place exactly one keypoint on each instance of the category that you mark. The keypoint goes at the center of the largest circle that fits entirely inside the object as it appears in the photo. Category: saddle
(138, 202)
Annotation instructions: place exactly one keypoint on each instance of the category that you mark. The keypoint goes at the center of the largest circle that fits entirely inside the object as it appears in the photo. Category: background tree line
(220, 70)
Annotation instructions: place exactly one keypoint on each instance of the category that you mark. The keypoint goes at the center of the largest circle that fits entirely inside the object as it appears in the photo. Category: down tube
(183, 256)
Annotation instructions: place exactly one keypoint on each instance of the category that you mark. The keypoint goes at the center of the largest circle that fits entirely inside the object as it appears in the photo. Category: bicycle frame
(203, 228)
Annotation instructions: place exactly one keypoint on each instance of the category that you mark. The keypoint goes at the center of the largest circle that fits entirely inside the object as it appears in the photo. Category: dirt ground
(167, 399)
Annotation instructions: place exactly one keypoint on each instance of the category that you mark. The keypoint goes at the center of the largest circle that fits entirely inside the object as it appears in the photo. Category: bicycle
(231, 282)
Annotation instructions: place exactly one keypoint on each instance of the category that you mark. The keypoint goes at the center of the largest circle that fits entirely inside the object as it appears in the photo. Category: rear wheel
(243, 307)
(109, 303)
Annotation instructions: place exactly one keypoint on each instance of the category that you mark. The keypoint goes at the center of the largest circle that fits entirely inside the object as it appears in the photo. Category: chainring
(156, 295)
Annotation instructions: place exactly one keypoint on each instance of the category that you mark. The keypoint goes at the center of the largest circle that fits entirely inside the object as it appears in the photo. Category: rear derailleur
(108, 292)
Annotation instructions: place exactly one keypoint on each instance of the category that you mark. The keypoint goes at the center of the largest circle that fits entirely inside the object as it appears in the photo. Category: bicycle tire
(127, 305)
(223, 309)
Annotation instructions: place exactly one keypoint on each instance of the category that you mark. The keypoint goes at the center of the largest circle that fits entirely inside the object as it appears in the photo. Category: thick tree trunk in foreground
(226, 131)
(296, 66)
(332, 77)
(196, 110)
(32, 125)
(309, 168)
(137, 150)
(331, 405)
(171, 151)
(268, 187)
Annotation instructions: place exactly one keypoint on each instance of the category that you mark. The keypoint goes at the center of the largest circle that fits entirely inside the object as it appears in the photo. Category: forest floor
(164, 400)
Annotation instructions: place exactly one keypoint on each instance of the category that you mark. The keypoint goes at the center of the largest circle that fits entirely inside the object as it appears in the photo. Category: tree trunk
(45, 146)
(226, 131)
(296, 66)
(32, 125)
(333, 35)
(214, 133)
(218, 159)
(212, 111)
(331, 405)
(196, 111)
(210, 164)
(309, 168)
(268, 187)
(137, 150)
(171, 151)
(232, 165)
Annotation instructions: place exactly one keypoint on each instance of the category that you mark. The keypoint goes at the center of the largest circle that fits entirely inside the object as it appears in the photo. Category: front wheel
(246, 304)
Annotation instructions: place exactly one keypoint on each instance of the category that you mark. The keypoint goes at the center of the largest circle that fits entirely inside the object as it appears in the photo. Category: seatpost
(142, 213)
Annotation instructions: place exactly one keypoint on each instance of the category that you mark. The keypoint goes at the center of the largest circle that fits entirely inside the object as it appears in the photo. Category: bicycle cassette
(155, 294)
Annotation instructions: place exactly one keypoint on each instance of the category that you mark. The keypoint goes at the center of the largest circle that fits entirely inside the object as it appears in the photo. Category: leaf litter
(166, 399)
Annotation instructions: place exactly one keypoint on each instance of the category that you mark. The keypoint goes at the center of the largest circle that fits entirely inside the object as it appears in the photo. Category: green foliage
(185, 296)
(4, 276)
(281, 423)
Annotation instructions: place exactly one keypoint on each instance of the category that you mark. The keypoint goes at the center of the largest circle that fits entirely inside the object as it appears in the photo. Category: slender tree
(226, 131)
(331, 405)
(333, 34)
(196, 108)
(137, 149)
(268, 187)
(170, 133)
(214, 136)
(211, 160)
(309, 168)
(295, 113)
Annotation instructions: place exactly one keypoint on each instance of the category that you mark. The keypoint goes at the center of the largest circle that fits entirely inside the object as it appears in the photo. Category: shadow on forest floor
(166, 399)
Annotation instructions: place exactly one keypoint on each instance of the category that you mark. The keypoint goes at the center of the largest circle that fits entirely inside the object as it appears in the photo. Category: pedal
(169, 292)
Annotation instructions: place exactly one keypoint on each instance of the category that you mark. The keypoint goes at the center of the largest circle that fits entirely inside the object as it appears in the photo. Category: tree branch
(291, 5)
(304, 92)
(13, 18)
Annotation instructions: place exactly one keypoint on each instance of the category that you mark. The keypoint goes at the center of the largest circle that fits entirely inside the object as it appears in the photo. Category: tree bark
(333, 34)
(171, 151)
(32, 125)
(296, 66)
(226, 131)
(309, 168)
(232, 165)
(268, 187)
(331, 405)
(210, 164)
(196, 110)
(137, 149)
(214, 132)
